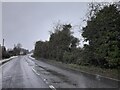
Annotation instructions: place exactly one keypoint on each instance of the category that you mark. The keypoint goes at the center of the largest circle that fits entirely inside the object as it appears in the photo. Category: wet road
(17, 73)
(23, 72)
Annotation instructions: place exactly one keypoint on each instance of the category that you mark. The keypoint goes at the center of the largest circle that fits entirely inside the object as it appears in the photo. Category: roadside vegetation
(103, 34)
(7, 53)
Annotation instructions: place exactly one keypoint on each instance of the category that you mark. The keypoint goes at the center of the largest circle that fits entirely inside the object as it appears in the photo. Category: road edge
(97, 75)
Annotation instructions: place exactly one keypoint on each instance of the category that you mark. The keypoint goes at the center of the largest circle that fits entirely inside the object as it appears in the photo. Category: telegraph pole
(0, 52)
(3, 42)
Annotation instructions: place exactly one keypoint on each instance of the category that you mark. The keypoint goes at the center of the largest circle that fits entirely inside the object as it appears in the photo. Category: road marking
(8, 60)
(35, 71)
(45, 80)
(4, 64)
(52, 87)
(31, 58)
(99, 76)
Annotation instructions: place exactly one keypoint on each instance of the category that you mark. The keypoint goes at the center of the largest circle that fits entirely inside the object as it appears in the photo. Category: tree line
(17, 50)
(102, 32)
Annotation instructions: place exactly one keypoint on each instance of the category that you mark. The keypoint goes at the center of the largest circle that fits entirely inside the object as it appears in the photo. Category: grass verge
(110, 73)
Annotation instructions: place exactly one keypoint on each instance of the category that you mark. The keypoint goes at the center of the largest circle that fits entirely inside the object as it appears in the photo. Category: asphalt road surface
(23, 72)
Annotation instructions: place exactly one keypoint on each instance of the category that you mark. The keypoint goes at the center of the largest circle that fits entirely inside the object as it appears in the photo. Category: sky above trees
(26, 23)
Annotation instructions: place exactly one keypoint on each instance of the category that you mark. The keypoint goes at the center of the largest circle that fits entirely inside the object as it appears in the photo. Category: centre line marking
(52, 87)
(35, 72)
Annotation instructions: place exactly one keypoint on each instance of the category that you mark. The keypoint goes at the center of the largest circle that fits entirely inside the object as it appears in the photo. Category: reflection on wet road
(23, 72)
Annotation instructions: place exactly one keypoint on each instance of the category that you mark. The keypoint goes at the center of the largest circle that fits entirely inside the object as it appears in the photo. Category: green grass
(112, 73)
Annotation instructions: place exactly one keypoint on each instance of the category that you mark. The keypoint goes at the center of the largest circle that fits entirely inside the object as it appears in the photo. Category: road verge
(77, 70)
(6, 60)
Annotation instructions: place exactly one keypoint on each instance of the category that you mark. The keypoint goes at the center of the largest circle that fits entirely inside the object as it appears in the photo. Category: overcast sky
(29, 22)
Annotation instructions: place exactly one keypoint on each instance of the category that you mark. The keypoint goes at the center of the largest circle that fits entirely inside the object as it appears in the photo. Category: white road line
(35, 71)
(99, 76)
(4, 64)
(31, 58)
(44, 79)
(52, 87)
(9, 59)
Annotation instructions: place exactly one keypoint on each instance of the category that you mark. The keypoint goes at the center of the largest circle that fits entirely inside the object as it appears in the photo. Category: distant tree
(4, 53)
(17, 49)
(41, 49)
(61, 40)
(60, 46)
(19, 45)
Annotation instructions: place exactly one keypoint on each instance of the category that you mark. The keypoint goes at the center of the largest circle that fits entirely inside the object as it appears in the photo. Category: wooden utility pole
(3, 42)
(0, 52)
